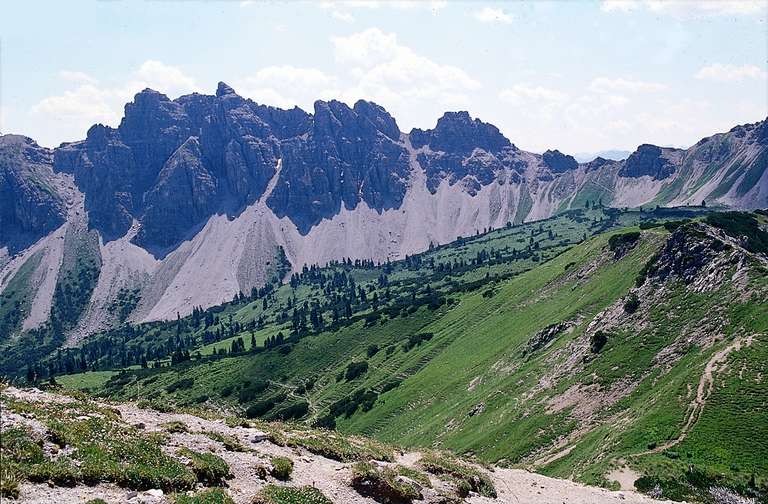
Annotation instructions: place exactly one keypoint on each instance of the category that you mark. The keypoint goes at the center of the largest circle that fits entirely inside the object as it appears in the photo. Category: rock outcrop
(30, 204)
(559, 162)
(348, 156)
(648, 160)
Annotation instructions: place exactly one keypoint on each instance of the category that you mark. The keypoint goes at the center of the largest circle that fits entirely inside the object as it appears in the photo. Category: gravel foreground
(331, 477)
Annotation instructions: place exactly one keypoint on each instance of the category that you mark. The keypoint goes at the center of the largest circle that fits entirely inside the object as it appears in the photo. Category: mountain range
(193, 201)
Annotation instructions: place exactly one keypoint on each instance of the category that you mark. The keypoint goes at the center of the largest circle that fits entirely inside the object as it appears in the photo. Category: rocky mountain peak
(30, 206)
(458, 132)
(379, 117)
(349, 155)
(224, 89)
(26, 148)
(647, 160)
(559, 162)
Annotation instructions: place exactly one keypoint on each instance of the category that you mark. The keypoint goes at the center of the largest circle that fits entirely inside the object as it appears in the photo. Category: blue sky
(577, 76)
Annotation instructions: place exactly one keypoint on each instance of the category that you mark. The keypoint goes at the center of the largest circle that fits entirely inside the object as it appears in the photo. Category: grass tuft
(175, 427)
(282, 467)
(207, 496)
(466, 477)
(274, 494)
(382, 484)
(230, 443)
(209, 469)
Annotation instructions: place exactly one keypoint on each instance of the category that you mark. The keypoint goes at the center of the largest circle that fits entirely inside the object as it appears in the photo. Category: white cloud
(86, 104)
(519, 94)
(382, 69)
(285, 86)
(730, 73)
(491, 15)
(370, 65)
(684, 8)
(165, 78)
(73, 111)
(607, 85)
(367, 48)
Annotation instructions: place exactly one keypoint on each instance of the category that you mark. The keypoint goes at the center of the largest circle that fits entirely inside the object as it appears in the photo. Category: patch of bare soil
(624, 476)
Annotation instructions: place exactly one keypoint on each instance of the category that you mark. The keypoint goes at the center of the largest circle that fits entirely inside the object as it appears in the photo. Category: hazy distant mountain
(189, 202)
(613, 154)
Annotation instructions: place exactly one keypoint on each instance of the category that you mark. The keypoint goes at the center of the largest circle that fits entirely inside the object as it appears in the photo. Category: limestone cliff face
(349, 155)
(192, 197)
(30, 204)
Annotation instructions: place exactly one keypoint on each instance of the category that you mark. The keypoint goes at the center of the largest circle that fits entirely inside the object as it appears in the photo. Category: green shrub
(622, 241)
(10, 477)
(741, 225)
(342, 448)
(632, 303)
(183, 384)
(62, 472)
(327, 421)
(96, 501)
(414, 474)
(208, 468)
(348, 405)
(416, 340)
(672, 226)
(598, 341)
(464, 475)
(262, 407)
(164, 406)
(207, 496)
(251, 390)
(372, 350)
(230, 443)
(273, 494)
(355, 370)
(382, 484)
(175, 427)
(234, 421)
(17, 445)
(282, 467)
(289, 411)
(110, 452)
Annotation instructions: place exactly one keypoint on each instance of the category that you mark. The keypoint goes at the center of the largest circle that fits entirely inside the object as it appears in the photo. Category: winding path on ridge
(703, 391)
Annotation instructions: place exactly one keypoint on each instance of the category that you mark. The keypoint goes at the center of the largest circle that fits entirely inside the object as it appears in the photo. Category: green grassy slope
(544, 363)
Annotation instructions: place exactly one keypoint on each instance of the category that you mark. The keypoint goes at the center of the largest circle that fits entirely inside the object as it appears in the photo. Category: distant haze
(615, 154)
